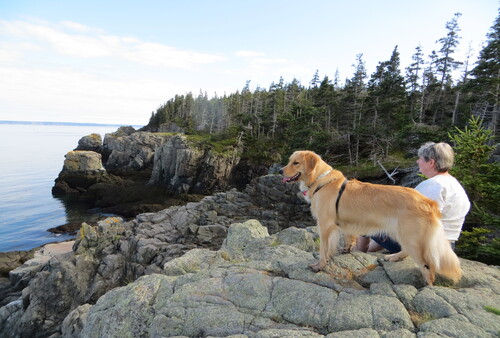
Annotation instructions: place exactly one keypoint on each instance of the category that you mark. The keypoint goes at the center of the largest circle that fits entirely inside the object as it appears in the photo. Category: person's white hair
(441, 153)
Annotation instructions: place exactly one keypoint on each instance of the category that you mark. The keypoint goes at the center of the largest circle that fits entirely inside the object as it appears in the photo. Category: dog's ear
(310, 160)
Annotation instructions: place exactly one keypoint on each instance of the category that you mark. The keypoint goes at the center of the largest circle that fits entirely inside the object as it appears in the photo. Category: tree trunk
(455, 109)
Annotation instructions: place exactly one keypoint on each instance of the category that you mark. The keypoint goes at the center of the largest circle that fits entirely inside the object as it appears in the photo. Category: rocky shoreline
(120, 176)
(132, 172)
(236, 263)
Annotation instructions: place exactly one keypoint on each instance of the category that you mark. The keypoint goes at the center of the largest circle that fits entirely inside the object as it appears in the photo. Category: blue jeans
(387, 243)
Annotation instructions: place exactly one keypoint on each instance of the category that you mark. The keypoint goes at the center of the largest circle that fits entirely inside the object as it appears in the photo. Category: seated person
(434, 161)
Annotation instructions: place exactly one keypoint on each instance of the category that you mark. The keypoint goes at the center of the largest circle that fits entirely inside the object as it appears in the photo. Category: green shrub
(480, 180)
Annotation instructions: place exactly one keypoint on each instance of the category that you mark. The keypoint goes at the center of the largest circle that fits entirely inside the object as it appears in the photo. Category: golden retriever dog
(356, 208)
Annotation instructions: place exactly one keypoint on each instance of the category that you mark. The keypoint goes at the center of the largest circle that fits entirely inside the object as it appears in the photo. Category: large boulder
(83, 162)
(81, 170)
(92, 142)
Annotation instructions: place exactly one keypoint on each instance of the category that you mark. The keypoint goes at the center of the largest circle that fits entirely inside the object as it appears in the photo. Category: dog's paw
(347, 249)
(390, 258)
(316, 267)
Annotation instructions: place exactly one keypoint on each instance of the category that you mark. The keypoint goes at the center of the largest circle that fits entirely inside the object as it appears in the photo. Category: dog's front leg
(329, 237)
(349, 243)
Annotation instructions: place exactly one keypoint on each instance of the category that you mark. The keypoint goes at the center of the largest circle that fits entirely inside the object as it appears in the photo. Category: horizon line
(69, 123)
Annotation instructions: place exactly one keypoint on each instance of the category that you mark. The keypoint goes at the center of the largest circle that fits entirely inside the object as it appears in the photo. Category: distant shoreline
(65, 124)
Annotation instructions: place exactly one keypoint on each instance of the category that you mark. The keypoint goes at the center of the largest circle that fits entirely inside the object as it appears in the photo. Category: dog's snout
(281, 171)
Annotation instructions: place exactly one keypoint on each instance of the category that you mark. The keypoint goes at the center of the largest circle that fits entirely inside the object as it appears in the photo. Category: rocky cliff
(184, 168)
(132, 172)
(236, 263)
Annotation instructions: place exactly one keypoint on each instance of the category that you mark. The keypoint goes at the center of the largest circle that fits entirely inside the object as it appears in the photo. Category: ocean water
(32, 155)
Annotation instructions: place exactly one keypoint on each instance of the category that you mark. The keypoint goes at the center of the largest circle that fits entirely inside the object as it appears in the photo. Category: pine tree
(386, 97)
(485, 82)
(445, 65)
(353, 102)
(413, 74)
(315, 80)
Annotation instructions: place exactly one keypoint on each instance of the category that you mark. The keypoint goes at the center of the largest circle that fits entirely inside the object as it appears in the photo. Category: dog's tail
(442, 255)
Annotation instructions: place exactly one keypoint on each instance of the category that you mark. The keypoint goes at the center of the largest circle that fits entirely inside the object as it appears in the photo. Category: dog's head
(302, 166)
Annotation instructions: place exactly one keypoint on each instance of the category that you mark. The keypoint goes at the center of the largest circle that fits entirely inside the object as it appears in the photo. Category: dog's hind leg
(329, 237)
(425, 263)
(396, 257)
(429, 273)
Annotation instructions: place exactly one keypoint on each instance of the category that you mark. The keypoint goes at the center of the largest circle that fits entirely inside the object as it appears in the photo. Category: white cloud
(78, 27)
(72, 72)
(70, 95)
(75, 73)
(92, 43)
(248, 53)
(154, 54)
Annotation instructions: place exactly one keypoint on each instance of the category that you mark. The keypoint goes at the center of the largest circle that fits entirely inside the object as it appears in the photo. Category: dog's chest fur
(305, 191)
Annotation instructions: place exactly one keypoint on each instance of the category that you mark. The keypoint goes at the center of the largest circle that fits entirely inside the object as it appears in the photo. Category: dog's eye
(295, 163)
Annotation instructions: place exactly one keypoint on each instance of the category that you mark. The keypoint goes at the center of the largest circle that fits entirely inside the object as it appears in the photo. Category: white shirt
(452, 200)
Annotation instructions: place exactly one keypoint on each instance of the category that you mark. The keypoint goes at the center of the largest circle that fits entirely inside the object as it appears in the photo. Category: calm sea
(31, 158)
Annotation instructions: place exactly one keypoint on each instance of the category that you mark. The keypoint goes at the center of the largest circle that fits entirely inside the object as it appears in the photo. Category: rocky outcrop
(92, 142)
(258, 285)
(114, 254)
(81, 170)
(211, 269)
(184, 168)
(83, 162)
(129, 151)
(116, 178)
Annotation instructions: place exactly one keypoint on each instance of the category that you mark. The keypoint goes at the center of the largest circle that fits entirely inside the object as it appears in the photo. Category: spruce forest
(365, 118)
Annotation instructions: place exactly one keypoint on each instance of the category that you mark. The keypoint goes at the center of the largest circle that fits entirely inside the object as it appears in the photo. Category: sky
(116, 62)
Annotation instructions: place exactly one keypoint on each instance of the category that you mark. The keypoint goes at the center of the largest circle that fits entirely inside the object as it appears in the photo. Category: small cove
(32, 157)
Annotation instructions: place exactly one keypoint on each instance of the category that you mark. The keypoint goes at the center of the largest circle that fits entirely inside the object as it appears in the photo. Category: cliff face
(187, 169)
(128, 151)
(237, 263)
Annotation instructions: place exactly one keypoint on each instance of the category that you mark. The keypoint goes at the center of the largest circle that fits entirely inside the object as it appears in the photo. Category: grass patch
(166, 134)
(492, 309)
(275, 243)
(219, 146)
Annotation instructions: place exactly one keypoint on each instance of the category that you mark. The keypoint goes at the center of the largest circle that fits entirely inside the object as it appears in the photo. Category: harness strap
(317, 189)
(341, 191)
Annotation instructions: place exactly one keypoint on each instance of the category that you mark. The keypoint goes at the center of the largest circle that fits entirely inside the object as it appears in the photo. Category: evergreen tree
(480, 179)
(353, 102)
(413, 74)
(445, 65)
(315, 80)
(386, 96)
(485, 82)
